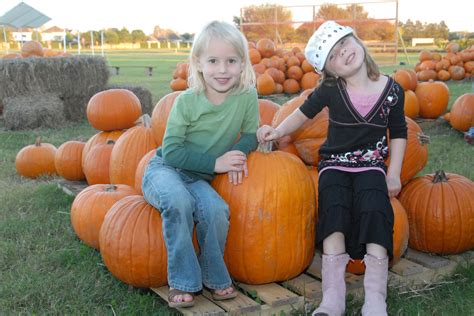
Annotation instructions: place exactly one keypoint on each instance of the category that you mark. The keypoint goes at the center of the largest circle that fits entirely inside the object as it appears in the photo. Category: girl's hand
(233, 160)
(236, 177)
(394, 185)
(267, 133)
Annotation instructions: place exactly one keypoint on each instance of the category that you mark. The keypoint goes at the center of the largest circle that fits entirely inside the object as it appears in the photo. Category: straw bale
(33, 111)
(63, 76)
(142, 93)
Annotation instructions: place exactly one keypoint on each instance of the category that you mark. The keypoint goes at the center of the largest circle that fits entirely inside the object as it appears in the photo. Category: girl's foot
(224, 294)
(177, 298)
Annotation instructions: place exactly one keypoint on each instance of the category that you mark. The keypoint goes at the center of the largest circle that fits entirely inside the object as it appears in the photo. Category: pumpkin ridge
(134, 227)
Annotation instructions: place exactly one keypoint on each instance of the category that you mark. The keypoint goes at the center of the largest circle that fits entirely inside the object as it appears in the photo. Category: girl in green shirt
(211, 129)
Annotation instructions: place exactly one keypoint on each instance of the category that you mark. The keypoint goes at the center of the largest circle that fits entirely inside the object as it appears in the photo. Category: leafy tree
(124, 36)
(111, 36)
(271, 21)
(186, 36)
(333, 12)
(138, 36)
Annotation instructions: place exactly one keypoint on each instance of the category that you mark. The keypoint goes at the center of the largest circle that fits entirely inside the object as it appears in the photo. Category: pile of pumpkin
(271, 235)
(34, 49)
(277, 70)
(457, 64)
(430, 100)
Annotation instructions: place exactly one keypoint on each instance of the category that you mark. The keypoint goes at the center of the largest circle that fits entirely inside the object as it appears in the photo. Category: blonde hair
(373, 71)
(225, 32)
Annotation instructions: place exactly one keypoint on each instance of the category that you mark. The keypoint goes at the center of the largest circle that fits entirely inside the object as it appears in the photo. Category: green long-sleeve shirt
(198, 132)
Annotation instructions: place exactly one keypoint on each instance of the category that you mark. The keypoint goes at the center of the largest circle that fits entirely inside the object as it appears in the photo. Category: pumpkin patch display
(272, 222)
(113, 109)
(90, 206)
(132, 245)
(35, 160)
(440, 209)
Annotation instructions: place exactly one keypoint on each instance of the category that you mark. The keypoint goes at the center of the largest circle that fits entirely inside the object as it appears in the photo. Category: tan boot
(334, 285)
(375, 286)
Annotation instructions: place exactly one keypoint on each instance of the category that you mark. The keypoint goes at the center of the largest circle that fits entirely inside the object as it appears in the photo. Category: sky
(191, 15)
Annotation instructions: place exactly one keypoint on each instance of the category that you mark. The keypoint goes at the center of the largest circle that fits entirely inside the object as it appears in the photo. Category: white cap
(322, 41)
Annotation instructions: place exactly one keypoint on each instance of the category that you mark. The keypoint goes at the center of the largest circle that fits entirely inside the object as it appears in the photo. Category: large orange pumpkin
(400, 238)
(462, 112)
(265, 84)
(67, 160)
(433, 97)
(32, 48)
(160, 114)
(411, 106)
(405, 79)
(129, 150)
(272, 219)
(35, 160)
(113, 109)
(90, 206)
(132, 245)
(440, 210)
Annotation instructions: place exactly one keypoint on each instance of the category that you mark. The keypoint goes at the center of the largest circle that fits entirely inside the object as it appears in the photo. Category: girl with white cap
(355, 186)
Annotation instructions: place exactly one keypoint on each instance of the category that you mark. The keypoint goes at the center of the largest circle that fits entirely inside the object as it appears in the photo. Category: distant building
(53, 34)
(23, 36)
(422, 40)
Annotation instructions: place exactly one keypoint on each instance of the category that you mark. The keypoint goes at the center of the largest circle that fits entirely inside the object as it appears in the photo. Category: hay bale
(75, 79)
(33, 111)
(143, 94)
(63, 76)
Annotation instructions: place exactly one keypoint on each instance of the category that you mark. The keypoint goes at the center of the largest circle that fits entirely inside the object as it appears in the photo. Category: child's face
(346, 57)
(220, 66)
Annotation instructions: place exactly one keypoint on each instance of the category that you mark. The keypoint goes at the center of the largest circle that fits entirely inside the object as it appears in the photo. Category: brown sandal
(220, 297)
(175, 292)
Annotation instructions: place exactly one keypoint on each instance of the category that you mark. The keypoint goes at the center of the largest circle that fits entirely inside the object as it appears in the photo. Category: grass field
(45, 269)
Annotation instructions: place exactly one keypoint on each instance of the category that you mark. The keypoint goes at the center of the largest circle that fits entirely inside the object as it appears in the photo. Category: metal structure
(307, 16)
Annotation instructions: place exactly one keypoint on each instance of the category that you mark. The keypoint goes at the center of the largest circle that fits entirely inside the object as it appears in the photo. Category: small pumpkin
(266, 47)
(68, 160)
(35, 160)
(32, 49)
(265, 84)
(98, 139)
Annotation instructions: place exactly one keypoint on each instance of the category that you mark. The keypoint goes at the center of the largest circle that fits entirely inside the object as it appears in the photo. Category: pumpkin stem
(38, 141)
(110, 188)
(265, 147)
(110, 142)
(440, 176)
(423, 138)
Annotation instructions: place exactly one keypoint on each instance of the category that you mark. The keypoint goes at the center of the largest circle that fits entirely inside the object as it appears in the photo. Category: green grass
(45, 269)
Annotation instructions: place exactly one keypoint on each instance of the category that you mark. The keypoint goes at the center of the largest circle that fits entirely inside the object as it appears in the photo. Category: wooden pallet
(415, 270)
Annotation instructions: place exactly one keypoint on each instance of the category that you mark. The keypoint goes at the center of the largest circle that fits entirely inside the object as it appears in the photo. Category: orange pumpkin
(160, 115)
(90, 206)
(178, 84)
(267, 111)
(32, 48)
(255, 56)
(132, 245)
(97, 163)
(416, 152)
(113, 109)
(291, 86)
(406, 78)
(271, 234)
(462, 112)
(433, 97)
(456, 72)
(309, 80)
(310, 136)
(400, 236)
(68, 160)
(141, 168)
(35, 160)
(129, 150)
(440, 210)
(265, 84)
(411, 106)
(98, 139)
(266, 47)
(294, 72)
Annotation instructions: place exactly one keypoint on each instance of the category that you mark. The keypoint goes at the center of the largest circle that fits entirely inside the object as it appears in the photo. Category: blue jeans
(183, 201)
